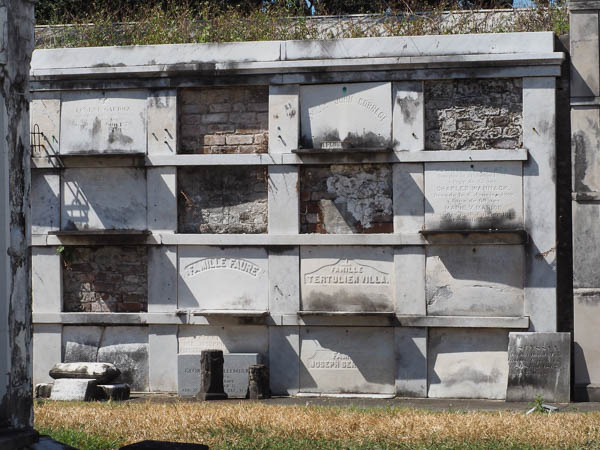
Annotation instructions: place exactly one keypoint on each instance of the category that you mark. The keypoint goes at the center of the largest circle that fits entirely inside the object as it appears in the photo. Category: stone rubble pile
(83, 381)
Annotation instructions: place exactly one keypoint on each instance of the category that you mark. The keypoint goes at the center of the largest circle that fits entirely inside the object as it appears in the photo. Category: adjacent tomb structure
(363, 216)
(585, 120)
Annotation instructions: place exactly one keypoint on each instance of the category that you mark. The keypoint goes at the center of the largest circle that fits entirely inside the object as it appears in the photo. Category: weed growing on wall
(180, 23)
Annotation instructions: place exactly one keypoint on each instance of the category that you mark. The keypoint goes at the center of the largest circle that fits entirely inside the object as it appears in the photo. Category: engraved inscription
(462, 195)
(97, 122)
(345, 271)
(188, 375)
(346, 116)
(235, 381)
(539, 364)
(115, 117)
(188, 390)
(363, 102)
(223, 278)
(331, 145)
(539, 360)
(325, 359)
(206, 264)
(475, 194)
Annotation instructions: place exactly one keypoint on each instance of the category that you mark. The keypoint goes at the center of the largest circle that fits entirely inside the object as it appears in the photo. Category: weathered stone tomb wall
(364, 217)
(16, 399)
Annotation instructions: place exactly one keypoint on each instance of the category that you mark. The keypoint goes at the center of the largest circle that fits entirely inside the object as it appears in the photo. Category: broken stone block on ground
(100, 372)
(74, 389)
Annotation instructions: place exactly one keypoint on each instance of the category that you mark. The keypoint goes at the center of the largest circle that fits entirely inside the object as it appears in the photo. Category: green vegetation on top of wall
(209, 22)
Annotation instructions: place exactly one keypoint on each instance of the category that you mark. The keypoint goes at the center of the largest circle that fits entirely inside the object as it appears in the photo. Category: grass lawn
(256, 425)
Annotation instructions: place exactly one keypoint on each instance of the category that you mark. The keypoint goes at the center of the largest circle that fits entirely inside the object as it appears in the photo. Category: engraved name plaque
(105, 122)
(355, 279)
(539, 365)
(347, 360)
(215, 279)
(478, 195)
(346, 116)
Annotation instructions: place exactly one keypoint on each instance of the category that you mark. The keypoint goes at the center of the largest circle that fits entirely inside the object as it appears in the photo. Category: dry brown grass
(218, 424)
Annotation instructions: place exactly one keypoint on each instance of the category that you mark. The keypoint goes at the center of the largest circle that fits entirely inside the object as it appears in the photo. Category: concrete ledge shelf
(338, 157)
(228, 313)
(111, 232)
(292, 239)
(463, 321)
(476, 237)
(100, 237)
(212, 317)
(346, 313)
(88, 160)
(585, 101)
(470, 237)
(586, 196)
(339, 151)
(109, 318)
(108, 154)
(397, 320)
(339, 318)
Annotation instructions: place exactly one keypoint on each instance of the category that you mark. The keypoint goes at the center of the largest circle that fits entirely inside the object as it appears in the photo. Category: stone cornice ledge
(585, 5)
(273, 57)
(313, 65)
(300, 318)
(442, 237)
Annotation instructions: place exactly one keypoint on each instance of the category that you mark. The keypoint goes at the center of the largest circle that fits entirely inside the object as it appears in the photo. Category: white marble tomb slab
(353, 115)
(338, 360)
(103, 198)
(353, 279)
(103, 122)
(485, 280)
(473, 195)
(467, 363)
(212, 278)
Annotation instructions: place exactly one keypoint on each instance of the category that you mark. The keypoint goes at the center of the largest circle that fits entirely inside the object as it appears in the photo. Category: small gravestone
(235, 373)
(539, 365)
(73, 389)
(43, 390)
(211, 376)
(258, 382)
(188, 375)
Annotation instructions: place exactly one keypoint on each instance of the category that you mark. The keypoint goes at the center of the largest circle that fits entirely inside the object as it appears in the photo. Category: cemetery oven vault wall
(365, 221)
